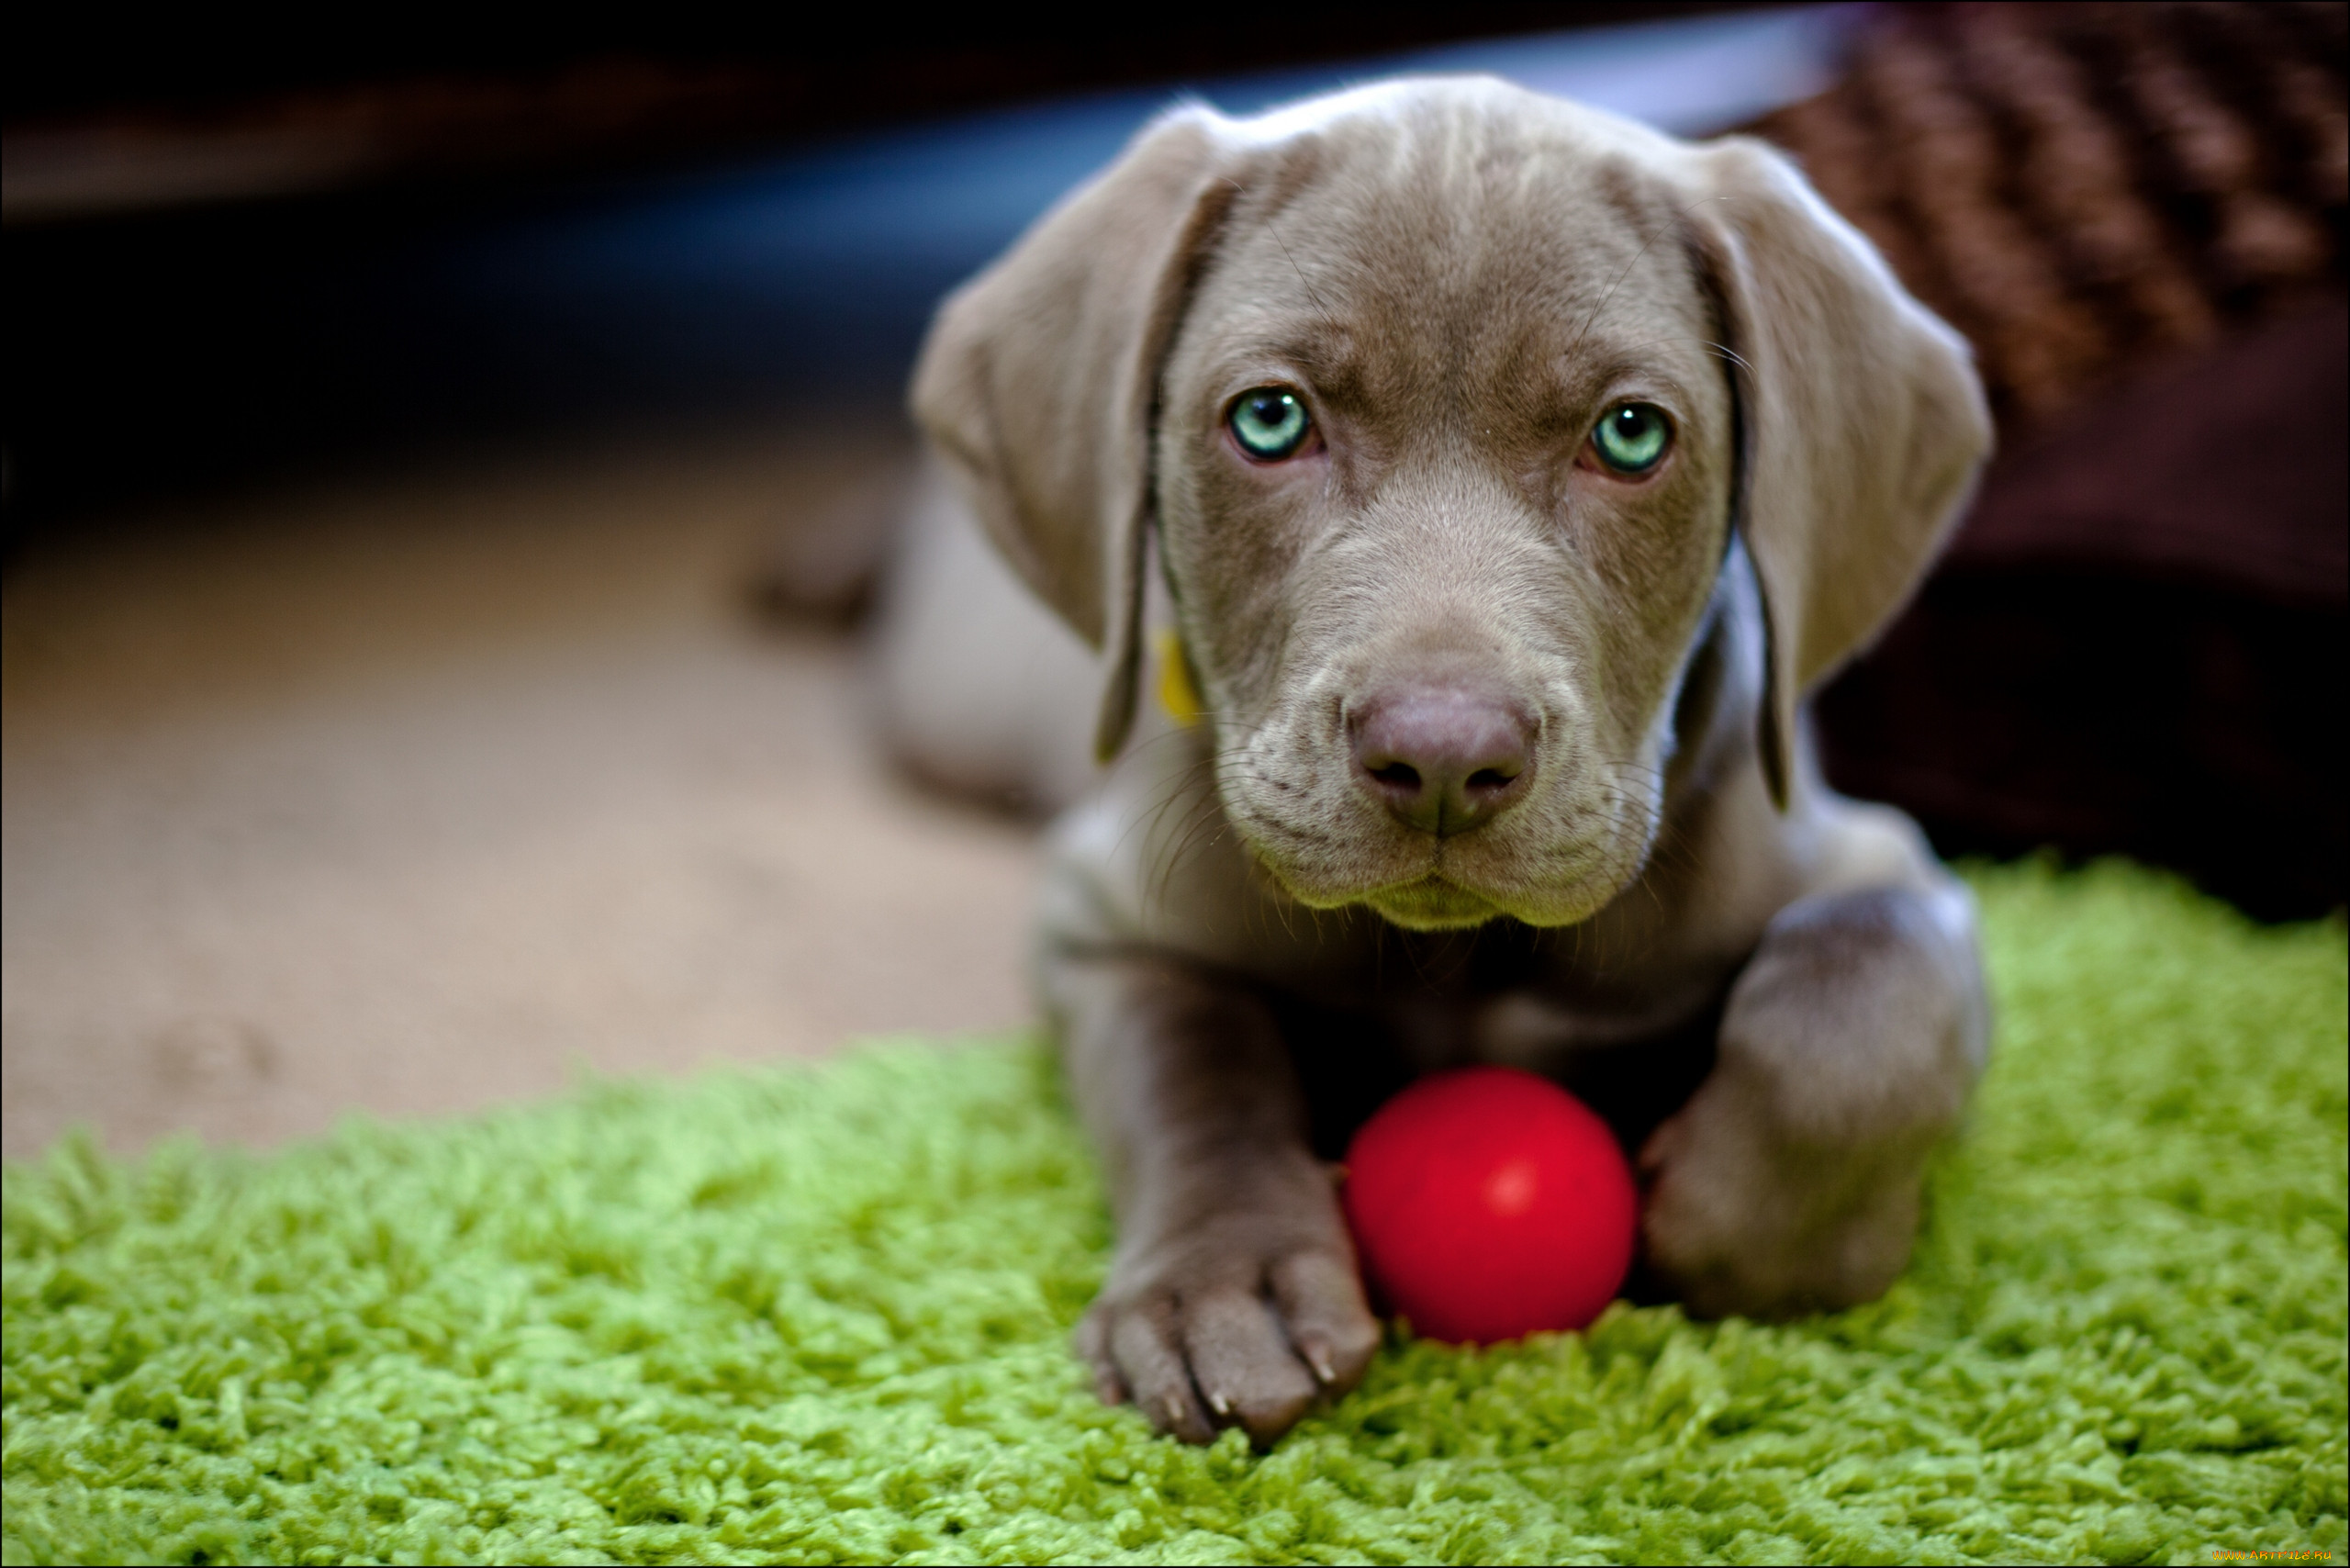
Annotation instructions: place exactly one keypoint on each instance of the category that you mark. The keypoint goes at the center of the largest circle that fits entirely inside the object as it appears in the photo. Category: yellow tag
(1176, 693)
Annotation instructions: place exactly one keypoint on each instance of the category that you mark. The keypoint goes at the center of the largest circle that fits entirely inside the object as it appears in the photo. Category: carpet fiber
(811, 1315)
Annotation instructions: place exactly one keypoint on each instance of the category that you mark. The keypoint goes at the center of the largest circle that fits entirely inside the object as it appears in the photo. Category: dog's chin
(1468, 886)
(1432, 904)
(1431, 901)
(1423, 904)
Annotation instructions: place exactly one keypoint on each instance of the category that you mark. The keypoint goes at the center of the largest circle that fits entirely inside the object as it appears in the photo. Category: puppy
(1507, 473)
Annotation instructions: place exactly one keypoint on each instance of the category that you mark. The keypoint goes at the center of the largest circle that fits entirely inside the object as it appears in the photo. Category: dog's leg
(1790, 1181)
(1234, 1299)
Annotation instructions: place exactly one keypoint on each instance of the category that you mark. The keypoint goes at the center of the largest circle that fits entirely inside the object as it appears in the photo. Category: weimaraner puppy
(1500, 474)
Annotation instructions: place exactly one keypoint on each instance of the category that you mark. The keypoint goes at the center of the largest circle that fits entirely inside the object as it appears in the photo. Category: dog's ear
(1863, 422)
(1038, 378)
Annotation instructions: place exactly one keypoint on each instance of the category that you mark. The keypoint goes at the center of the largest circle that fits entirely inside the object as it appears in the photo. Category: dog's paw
(1737, 1222)
(1790, 1181)
(1241, 1322)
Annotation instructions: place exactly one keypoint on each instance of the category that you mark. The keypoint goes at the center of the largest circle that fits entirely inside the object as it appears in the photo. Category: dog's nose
(1443, 758)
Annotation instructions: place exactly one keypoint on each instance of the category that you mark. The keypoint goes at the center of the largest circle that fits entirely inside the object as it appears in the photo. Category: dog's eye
(1269, 423)
(1631, 437)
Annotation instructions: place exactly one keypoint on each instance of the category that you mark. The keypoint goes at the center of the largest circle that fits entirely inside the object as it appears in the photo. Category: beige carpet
(415, 796)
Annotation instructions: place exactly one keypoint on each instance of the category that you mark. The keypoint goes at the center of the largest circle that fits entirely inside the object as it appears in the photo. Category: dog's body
(1502, 756)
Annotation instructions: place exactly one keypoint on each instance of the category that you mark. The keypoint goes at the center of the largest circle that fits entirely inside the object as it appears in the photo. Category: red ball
(1489, 1203)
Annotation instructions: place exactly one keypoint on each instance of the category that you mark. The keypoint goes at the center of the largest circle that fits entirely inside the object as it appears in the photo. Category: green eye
(1269, 423)
(1631, 437)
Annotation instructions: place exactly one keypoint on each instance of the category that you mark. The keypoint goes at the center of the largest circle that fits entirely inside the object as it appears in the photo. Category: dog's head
(1443, 401)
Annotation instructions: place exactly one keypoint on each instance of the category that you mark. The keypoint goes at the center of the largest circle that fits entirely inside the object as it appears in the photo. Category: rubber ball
(1488, 1203)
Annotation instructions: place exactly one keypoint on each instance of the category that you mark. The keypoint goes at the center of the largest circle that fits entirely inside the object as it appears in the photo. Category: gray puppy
(1509, 473)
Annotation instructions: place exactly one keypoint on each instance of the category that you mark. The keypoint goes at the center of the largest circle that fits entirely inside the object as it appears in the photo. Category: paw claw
(1226, 1330)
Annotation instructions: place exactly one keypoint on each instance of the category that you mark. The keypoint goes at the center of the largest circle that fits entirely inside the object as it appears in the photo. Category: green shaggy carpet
(819, 1316)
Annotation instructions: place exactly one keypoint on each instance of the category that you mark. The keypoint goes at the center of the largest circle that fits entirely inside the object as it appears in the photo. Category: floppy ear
(1863, 423)
(1039, 378)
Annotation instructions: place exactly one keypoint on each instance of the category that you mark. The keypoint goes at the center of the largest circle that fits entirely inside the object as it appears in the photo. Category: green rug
(819, 1316)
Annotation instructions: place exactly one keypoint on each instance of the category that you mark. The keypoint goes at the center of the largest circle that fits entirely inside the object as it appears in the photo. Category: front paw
(1740, 1222)
(1790, 1181)
(1243, 1320)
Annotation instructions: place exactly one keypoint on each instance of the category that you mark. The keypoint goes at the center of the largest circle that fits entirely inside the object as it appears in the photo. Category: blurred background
(444, 471)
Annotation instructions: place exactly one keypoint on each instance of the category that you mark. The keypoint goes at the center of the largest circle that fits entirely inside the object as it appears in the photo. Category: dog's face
(1427, 387)
(1444, 463)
